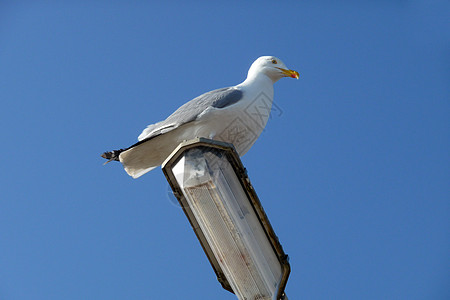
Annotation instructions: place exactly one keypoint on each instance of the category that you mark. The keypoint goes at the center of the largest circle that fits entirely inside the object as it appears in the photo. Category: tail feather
(112, 155)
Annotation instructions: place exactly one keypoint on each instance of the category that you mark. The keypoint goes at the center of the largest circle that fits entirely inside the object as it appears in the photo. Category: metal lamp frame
(241, 173)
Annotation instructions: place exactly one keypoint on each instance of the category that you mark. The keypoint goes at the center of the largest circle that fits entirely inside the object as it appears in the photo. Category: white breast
(242, 123)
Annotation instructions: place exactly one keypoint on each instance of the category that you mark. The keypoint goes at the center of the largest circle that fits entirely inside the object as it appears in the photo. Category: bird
(236, 115)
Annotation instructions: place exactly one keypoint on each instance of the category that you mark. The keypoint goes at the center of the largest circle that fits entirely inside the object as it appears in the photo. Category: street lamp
(213, 188)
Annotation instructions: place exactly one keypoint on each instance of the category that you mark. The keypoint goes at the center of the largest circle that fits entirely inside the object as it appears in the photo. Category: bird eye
(274, 61)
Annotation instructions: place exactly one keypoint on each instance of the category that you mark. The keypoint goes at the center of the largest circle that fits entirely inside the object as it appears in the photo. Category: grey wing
(189, 112)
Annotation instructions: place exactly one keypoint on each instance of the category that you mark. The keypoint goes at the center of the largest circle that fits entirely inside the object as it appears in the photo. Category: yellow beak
(289, 73)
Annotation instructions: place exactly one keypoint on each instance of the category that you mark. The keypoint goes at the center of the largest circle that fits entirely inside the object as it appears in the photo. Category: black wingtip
(112, 155)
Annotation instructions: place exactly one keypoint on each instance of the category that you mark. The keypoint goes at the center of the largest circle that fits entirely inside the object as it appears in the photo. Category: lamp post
(213, 188)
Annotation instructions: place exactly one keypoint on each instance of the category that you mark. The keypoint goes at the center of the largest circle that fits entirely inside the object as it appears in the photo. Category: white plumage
(234, 115)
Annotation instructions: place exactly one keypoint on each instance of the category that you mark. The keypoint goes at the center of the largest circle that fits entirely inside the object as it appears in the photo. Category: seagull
(236, 115)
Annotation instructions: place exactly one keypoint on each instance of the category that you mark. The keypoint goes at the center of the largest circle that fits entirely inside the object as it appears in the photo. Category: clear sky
(353, 170)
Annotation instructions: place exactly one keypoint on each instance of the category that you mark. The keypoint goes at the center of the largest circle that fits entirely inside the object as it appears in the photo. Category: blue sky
(353, 173)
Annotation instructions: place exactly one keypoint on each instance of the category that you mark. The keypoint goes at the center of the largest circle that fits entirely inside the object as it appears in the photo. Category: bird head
(272, 67)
